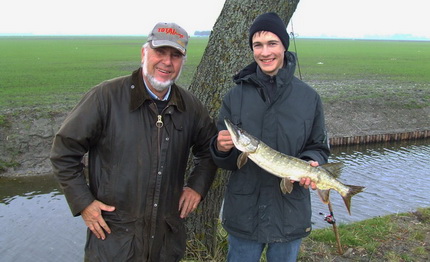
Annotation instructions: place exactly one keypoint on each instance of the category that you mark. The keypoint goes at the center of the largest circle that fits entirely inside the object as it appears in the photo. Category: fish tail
(351, 192)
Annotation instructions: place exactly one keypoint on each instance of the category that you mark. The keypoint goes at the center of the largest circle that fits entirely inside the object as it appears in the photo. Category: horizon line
(370, 37)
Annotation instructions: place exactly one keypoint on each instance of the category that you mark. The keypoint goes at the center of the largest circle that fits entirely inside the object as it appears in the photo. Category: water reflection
(395, 176)
(37, 224)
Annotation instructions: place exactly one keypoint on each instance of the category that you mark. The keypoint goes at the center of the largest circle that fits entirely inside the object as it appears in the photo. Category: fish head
(241, 139)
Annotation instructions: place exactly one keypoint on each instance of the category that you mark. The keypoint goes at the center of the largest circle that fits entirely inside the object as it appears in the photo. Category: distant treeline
(202, 33)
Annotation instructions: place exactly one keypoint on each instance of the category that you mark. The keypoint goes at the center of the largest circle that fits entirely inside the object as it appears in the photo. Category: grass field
(359, 59)
(43, 71)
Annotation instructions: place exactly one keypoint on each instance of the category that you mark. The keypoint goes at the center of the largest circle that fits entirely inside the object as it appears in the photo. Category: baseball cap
(169, 34)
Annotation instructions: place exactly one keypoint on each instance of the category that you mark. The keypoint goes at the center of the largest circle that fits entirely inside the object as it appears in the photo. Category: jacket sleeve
(225, 160)
(317, 147)
(70, 144)
(204, 169)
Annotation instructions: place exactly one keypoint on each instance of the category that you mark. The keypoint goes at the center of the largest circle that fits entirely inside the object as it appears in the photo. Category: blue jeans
(243, 250)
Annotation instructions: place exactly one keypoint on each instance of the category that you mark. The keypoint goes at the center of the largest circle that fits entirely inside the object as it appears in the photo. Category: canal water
(36, 223)
(396, 176)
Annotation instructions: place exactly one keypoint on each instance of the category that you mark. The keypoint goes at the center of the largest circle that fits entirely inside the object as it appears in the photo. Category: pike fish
(291, 168)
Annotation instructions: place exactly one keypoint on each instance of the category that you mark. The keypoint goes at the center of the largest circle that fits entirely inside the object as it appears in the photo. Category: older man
(138, 131)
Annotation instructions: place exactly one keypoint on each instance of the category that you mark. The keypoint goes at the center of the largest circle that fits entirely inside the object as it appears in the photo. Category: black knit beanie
(270, 22)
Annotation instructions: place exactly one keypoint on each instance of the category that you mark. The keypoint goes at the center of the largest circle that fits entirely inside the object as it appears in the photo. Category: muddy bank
(26, 134)
(357, 119)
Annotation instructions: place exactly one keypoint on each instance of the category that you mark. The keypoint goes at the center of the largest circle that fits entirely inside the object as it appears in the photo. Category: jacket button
(132, 86)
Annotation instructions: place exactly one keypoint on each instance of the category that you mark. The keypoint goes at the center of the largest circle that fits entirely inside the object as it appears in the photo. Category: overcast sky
(313, 18)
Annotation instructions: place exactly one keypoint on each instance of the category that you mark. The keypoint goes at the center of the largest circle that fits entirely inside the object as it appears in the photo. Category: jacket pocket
(243, 181)
(120, 245)
(240, 212)
(174, 242)
(297, 212)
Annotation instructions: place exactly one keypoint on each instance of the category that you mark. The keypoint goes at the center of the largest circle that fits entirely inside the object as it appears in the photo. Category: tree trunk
(227, 52)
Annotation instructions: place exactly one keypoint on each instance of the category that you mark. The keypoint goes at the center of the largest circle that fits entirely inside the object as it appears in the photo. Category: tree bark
(227, 52)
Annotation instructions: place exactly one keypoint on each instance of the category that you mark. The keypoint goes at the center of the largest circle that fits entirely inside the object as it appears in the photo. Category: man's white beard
(156, 84)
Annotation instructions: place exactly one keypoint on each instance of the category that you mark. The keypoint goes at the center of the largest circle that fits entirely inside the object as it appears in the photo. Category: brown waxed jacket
(135, 165)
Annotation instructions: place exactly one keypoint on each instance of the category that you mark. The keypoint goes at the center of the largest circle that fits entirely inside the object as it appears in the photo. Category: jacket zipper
(159, 124)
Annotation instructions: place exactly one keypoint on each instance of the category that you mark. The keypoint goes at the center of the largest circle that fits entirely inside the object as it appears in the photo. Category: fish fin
(334, 169)
(286, 185)
(242, 159)
(352, 191)
(324, 195)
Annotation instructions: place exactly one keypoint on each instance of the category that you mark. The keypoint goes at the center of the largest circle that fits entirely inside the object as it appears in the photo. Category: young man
(138, 131)
(273, 105)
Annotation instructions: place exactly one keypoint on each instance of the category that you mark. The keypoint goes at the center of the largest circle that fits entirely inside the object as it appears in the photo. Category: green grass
(43, 71)
(366, 234)
(405, 61)
(38, 71)
(397, 237)
(5, 165)
(4, 121)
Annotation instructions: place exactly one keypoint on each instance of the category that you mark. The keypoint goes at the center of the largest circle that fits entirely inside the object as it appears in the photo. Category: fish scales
(293, 168)
(290, 168)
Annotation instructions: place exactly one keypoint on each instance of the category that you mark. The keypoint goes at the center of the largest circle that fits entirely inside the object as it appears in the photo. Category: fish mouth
(234, 131)
(241, 139)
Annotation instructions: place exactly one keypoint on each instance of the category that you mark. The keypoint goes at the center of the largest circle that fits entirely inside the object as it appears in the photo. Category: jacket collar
(139, 94)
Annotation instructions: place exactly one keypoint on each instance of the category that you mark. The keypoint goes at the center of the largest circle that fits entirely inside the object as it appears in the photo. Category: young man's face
(268, 52)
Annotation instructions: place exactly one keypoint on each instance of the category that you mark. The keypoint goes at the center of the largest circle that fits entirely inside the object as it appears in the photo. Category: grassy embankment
(398, 237)
(47, 73)
(394, 238)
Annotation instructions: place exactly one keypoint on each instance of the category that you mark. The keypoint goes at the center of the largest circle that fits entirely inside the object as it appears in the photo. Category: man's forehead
(266, 34)
(168, 48)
